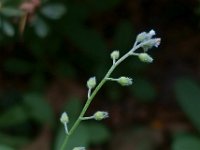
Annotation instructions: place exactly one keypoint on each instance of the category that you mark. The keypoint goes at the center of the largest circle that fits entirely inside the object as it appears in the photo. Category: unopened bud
(64, 118)
(141, 37)
(114, 55)
(91, 83)
(99, 115)
(124, 81)
(152, 33)
(144, 57)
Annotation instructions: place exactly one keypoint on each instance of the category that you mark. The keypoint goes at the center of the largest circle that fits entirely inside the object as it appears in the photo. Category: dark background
(44, 70)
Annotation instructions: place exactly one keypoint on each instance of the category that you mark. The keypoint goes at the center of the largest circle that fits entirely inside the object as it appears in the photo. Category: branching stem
(98, 87)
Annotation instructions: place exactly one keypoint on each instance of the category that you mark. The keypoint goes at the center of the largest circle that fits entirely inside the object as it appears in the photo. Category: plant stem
(89, 100)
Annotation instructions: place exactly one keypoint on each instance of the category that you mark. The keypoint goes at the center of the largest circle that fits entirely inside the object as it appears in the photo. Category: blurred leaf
(8, 28)
(15, 141)
(143, 90)
(188, 95)
(123, 38)
(15, 65)
(79, 138)
(73, 108)
(39, 108)
(53, 11)
(41, 28)
(14, 116)
(98, 133)
(186, 142)
(5, 147)
(11, 12)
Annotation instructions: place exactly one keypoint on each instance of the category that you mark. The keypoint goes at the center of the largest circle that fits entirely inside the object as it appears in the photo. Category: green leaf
(13, 116)
(39, 108)
(79, 138)
(5, 147)
(11, 12)
(15, 141)
(188, 96)
(53, 11)
(73, 108)
(41, 28)
(98, 133)
(15, 65)
(144, 90)
(8, 28)
(186, 142)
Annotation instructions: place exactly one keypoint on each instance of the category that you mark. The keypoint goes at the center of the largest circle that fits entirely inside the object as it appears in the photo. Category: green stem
(89, 100)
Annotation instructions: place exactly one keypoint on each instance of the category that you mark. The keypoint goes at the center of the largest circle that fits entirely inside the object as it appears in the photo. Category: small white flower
(157, 42)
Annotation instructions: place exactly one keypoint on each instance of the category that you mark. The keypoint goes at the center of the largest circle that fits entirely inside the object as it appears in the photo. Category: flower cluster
(147, 42)
(144, 40)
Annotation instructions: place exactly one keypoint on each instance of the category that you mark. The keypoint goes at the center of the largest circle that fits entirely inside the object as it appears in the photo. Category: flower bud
(79, 148)
(152, 33)
(141, 37)
(144, 57)
(99, 115)
(64, 118)
(124, 81)
(114, 55)
(91, 83)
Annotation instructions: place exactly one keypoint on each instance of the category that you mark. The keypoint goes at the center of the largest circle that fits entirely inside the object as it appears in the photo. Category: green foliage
(7, 28)
(186, 142)
(15, 116)
(53, 11)
(4, 147)
(14, 141)
(188, 96)
(39, 109)
(11, 12)
(40, 26)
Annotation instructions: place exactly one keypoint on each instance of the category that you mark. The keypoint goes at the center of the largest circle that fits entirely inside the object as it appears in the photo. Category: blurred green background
(44, 68)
